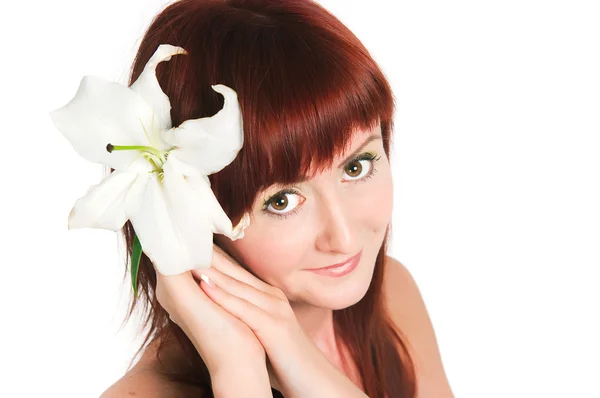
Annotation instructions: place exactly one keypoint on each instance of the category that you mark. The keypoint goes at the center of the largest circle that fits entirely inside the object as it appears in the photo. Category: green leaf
(136, 254)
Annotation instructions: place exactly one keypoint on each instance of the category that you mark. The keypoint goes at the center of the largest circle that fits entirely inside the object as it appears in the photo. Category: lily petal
(171, 223)
(219, 221)
(159, 236)
(147, 86)
(104, 112)
(210, 143)
(191, 209)
(104, 204)
(238, 230)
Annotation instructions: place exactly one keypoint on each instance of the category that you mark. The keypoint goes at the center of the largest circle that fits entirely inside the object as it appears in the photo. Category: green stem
(136, 254)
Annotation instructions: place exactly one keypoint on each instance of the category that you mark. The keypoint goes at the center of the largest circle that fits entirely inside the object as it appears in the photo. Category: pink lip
(340, 269)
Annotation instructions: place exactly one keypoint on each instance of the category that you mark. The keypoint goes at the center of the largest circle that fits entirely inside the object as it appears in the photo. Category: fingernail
(207, 280)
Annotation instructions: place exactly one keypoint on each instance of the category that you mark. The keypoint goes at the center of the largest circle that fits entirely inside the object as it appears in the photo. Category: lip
(340, 269)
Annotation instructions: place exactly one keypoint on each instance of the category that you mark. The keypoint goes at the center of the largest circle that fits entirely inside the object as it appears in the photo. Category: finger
(244, 291)
(227, 265)
(250, 314)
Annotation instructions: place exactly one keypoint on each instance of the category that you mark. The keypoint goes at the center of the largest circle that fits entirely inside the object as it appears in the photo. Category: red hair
(304, 84)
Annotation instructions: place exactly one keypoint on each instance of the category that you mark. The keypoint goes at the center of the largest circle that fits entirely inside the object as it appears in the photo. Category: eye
(361, 167)
(283, 203)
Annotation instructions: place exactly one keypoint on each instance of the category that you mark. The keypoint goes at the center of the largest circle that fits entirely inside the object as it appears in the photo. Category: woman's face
(320, 222)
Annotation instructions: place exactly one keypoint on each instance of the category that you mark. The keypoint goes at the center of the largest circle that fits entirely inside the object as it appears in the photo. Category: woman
(314, 177)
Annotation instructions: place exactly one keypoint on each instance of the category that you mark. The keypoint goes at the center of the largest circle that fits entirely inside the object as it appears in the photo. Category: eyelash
(372, 157)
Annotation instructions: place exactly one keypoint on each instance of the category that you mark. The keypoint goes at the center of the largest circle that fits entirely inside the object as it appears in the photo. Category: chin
(349, 289)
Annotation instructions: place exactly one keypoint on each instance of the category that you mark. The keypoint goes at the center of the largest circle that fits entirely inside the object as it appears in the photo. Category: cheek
(377, 208)
(269, 252)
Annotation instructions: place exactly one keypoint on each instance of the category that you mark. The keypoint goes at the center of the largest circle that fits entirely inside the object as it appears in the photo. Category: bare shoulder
(145, 380)
(409, 313)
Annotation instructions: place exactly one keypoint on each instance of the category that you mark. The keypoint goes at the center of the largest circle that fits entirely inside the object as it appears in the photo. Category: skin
(325, 229)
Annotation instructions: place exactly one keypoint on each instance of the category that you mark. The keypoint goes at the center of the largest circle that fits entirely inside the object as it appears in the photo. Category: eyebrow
(349, 157)
(364, 144)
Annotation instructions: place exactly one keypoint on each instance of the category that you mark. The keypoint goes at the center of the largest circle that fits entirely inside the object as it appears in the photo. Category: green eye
(286, 202)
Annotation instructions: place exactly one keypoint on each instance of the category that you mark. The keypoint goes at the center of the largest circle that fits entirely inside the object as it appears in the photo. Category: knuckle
(279, 294)
(288, 313)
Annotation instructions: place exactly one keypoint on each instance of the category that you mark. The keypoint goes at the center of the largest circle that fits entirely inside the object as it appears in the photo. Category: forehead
(357, 138)
(305, 155)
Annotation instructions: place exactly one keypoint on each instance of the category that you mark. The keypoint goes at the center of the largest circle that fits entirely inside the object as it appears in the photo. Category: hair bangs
(304, 87)
(308, 91)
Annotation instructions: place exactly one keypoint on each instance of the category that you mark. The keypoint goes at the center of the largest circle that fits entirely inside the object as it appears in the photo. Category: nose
(336, 233)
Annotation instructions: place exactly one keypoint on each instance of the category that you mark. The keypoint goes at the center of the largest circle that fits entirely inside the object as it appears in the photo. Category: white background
(497, 189)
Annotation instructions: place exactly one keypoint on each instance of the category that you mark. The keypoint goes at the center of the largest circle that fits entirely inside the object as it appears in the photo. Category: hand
(221, 339)
(297, 367)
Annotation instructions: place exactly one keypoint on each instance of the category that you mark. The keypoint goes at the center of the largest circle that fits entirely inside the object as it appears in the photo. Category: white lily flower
(160, 180)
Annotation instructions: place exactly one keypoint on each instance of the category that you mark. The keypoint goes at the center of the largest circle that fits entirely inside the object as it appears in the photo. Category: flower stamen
(143, 148)
(155, 157)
